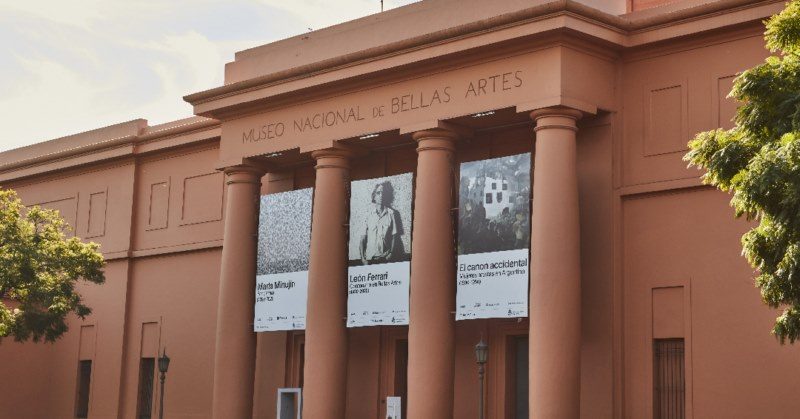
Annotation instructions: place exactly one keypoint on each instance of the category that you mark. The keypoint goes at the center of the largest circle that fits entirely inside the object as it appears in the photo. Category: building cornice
(617, 32)
(94, 147)
(539, 11)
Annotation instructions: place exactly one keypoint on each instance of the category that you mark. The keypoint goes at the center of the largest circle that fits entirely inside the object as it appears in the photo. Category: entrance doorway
(508, 368)
(394, 367)
(519, 346)
(401, 372)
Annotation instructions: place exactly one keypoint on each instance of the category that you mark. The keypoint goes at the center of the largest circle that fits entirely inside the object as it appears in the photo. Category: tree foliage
(758, 161)
(39, 267)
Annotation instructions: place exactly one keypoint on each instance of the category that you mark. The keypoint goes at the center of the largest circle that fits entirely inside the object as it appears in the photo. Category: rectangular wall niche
(158, 216)
(67, 208)
(666, 115)
(96, 221)
(150, 338)
(87, 343)
(726, 108)
(202, 198)
(668, 308)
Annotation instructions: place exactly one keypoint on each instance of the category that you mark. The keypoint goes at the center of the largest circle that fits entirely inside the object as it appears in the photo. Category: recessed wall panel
(665, 129)
(87, 346)
(726, 107)
(150, 338)
(158, 216)
(668, 313)
(67, 208)
(96, 224)
(202, 198)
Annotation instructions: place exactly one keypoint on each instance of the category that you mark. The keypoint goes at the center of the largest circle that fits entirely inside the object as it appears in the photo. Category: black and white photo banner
(493, 238)
(284, 236)
(379, 251)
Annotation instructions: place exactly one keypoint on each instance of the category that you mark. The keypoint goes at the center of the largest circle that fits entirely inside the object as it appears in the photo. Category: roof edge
(628, 23)
(143, 134)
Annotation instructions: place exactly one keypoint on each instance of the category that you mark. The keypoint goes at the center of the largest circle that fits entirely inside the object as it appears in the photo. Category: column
(235, 354)
(325, 377)
(555, 290)
(431, 333)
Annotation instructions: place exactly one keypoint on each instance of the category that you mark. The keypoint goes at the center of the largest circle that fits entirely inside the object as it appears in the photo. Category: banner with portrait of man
(493, 238)
(284, 238)
(379, 251)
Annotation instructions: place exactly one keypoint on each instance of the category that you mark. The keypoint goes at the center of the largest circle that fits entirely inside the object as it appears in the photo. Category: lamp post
(163, 366)
(481, 356)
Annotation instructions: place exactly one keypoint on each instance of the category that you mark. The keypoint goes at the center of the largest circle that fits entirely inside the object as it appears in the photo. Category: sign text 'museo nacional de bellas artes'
(523, 81)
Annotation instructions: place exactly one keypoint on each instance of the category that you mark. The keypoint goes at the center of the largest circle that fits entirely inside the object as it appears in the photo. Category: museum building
(558, 126)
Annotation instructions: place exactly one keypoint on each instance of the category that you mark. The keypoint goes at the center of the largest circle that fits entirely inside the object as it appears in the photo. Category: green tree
(39, 267)
(758, 161)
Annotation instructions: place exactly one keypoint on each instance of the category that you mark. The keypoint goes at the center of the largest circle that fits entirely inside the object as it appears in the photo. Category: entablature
(558, 53)
(442, 90)
(261, 76)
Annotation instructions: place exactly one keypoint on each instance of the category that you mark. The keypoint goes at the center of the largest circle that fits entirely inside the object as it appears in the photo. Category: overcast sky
(68, 66)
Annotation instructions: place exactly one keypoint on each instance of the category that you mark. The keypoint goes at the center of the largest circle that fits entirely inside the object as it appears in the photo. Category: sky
(68, 66)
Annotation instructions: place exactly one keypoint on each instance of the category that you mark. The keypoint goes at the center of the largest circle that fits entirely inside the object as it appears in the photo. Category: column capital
(333, 157)
(438, 133)
(559, 117)
(436, 139)
(243, 173)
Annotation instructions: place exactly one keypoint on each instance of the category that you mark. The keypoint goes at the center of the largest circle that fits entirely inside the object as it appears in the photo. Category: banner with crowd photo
(379, 251)
(284, 237)
(493, 238)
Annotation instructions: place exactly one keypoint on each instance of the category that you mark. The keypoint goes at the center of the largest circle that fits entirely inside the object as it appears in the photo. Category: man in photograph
(380, 240)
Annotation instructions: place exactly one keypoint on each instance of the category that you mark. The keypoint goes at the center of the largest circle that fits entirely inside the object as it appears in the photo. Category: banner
(284, 236)
(380, 251)
(493, 238)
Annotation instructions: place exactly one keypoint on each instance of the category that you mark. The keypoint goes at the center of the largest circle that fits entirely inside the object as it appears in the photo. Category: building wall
(96, 204)
(673, 91)
(595, 151)
(679, 244)
(686, 241)
(26, 377)
(173, 305)
(179, 200)
(122, 207)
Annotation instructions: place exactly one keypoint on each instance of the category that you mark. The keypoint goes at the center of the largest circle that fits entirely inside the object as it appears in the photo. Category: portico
(337, 116)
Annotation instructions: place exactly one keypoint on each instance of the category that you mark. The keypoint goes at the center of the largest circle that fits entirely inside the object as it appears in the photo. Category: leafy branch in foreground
(39, 267)
(758, 161)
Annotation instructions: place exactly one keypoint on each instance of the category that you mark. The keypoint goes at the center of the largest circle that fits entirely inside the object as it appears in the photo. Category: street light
(163, 366)
(481, 356)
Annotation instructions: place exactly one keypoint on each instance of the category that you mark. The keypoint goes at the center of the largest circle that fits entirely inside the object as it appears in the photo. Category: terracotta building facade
(639, 302)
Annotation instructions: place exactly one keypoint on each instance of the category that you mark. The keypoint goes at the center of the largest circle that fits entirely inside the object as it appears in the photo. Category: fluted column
(235, 354)
(555, 291)
(431, 333)
(325, 377)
